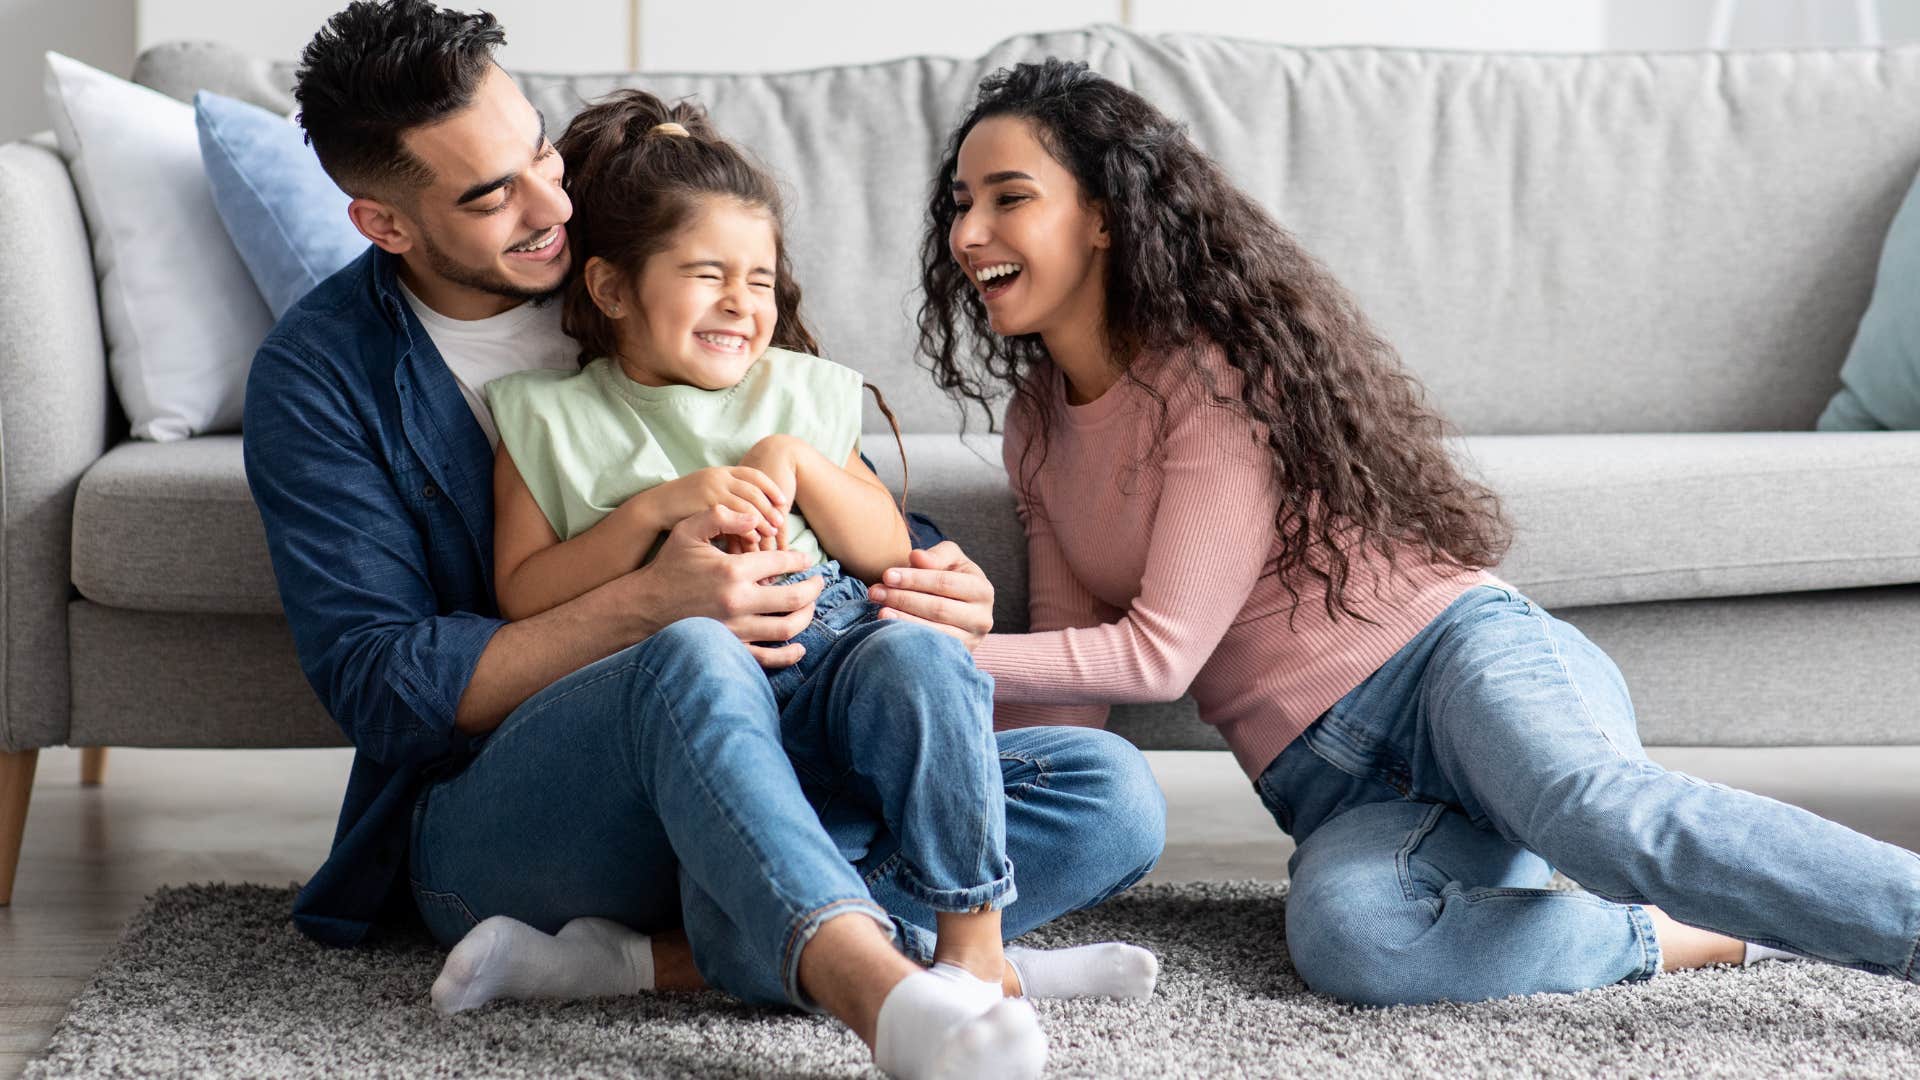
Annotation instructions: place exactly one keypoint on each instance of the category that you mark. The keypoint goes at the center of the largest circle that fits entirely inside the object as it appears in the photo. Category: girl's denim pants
(675, 783)
(1431, 803)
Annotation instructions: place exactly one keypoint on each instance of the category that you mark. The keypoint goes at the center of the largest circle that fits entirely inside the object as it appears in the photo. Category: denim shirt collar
(434, 415)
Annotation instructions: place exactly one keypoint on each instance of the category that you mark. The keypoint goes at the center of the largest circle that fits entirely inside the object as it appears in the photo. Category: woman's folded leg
(1407, 902)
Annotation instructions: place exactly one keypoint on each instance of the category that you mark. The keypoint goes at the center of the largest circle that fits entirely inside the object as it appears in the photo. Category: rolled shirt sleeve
(389, 664)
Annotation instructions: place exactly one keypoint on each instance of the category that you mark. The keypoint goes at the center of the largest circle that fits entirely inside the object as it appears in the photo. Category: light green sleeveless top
(587, 441)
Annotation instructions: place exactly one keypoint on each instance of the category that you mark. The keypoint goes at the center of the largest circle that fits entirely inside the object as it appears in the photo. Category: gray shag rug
(213, 980)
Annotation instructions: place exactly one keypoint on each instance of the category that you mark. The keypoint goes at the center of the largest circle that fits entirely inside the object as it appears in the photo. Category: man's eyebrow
(995, 178)
(486, 188)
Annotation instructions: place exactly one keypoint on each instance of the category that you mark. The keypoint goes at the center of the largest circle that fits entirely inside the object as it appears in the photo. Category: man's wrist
(634, 601)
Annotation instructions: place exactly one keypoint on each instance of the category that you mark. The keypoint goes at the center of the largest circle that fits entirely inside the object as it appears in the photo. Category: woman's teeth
(729, 342)
(538, 243)
(997, 271)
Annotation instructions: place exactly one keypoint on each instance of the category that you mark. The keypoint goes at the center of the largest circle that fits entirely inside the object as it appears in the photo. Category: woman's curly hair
(1361, 459)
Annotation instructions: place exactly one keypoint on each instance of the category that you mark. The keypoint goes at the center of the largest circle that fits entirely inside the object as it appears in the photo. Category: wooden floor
(177, 816)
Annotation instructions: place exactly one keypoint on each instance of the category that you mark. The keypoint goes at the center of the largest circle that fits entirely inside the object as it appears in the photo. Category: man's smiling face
(489, 230)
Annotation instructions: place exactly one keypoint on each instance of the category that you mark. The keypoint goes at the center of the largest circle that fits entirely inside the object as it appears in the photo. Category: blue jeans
(1432, 802)
(653, 788)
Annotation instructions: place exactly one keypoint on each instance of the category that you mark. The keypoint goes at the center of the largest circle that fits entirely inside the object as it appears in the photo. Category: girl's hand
(777, 457)
(739, 488)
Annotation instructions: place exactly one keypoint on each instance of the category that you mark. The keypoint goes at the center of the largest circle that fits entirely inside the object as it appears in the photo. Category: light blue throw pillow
(1880, 382)
(284, 213)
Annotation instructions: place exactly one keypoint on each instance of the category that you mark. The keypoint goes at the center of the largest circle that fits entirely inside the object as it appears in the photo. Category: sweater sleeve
(1055, 601)
(1208, 546)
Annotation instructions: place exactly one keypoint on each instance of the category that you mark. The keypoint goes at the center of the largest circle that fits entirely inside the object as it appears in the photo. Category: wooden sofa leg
(93, 766)
(16, 787)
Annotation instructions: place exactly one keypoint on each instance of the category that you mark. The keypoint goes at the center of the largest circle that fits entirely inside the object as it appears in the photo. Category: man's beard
(443, 265)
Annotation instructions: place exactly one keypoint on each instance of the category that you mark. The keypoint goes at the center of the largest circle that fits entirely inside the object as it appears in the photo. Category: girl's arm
(535, 570)
(846, 506)
(1211, 538)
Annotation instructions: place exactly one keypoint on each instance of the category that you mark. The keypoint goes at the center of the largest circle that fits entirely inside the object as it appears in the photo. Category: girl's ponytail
(636, 168)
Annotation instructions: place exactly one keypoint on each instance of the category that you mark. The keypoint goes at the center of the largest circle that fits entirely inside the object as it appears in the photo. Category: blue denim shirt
(375, 485)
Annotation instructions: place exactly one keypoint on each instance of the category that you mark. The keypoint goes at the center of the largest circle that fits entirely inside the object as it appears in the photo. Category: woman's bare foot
(1683, 947)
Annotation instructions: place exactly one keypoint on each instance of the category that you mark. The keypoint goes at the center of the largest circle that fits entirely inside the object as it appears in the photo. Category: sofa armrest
(55, 410)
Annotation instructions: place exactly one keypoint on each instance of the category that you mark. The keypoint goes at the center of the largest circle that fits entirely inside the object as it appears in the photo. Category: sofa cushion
(1600, 519)
(172, 527)
(181, 316)
(1614, 519)
(1880, 382)
(285, 216)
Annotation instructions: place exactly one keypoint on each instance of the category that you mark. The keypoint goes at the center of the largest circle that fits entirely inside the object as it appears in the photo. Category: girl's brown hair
(1360, 458)
(635, 184)
(633, 187)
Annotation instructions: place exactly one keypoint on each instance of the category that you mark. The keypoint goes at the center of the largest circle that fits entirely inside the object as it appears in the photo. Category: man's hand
(691, 578)
(942, 588)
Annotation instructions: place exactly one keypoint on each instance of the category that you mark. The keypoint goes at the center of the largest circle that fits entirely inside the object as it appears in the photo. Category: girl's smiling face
(701, 310)
(1024, 234)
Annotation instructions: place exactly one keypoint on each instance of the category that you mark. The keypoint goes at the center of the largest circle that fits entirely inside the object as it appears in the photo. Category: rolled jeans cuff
(992, 896)
(806, 926)
(1649, 945)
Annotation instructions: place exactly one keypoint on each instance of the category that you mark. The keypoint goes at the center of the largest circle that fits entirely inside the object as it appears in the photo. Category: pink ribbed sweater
(1147, 582)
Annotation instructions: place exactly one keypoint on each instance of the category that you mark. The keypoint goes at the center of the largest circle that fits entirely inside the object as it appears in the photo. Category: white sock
(506, 958)
(939, 1025)
(1112, 969)
(1757, 953)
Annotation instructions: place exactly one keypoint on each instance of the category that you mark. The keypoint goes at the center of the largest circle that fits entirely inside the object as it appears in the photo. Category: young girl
(701, 390)
(1231, 487)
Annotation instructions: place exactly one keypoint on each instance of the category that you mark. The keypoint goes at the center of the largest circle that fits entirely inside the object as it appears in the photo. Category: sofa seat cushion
(1615, 519)
(1599, 519)
(172, 527)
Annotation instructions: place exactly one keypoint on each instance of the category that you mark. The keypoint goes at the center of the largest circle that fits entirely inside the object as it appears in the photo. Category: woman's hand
(739, 488)
(942, 588)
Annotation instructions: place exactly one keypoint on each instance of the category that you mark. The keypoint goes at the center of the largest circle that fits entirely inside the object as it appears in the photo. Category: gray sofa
(1629, 279)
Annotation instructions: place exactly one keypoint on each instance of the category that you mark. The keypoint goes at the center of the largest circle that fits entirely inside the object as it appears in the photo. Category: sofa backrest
(1556, 243)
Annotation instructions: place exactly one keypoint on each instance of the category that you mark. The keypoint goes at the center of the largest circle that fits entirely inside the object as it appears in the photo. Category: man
(586, 761)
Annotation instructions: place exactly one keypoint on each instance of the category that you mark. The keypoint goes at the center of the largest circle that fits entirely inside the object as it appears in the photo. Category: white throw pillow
(182, 316)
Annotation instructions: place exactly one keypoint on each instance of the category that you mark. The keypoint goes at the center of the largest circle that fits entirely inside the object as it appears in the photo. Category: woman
(1231, 486)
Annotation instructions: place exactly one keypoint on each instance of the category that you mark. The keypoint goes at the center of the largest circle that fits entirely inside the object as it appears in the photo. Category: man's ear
(381, 223)
(604, 285)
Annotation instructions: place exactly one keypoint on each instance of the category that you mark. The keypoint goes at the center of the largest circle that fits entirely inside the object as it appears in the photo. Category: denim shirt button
(430, 492)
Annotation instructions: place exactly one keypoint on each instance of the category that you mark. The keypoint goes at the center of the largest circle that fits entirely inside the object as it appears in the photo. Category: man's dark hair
(379, 68)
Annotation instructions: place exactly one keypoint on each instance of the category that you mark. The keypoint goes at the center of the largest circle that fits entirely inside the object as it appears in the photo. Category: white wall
(1537, 25)
(1683, 24)
(99, 32)
(555, 35)
(675, 35)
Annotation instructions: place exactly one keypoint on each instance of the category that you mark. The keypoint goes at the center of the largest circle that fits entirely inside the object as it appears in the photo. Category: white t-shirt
(479, 351)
